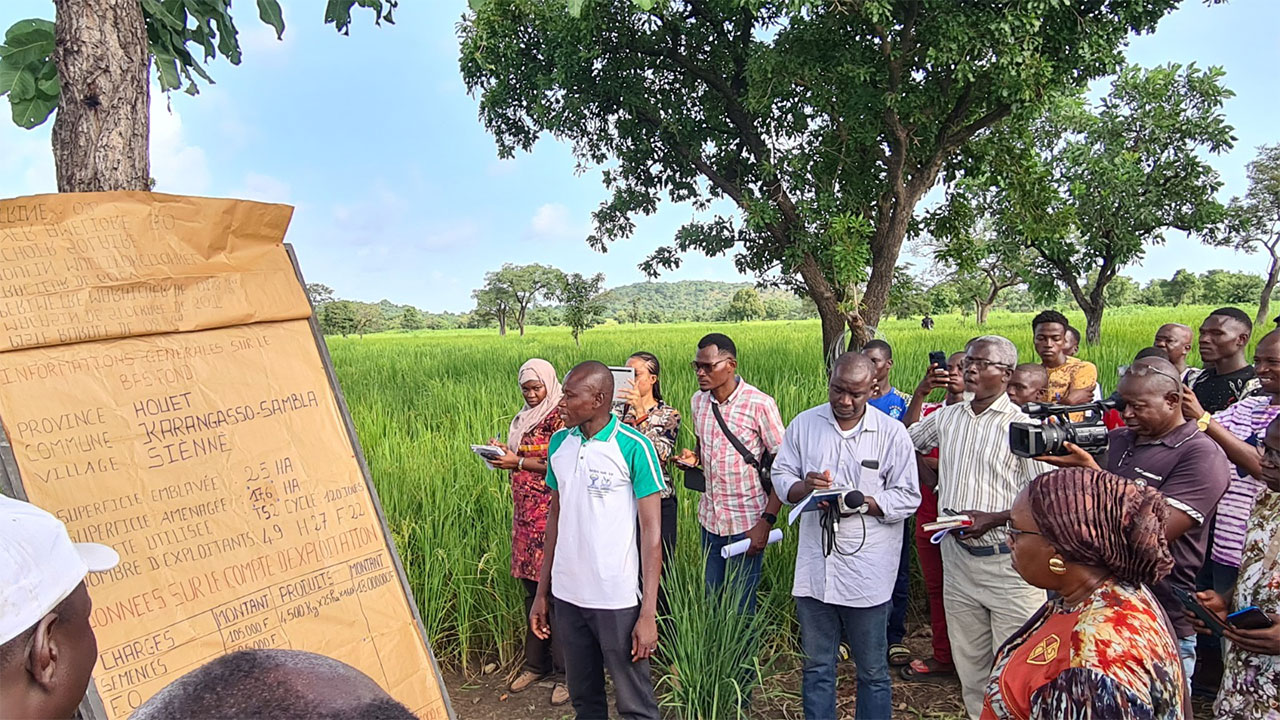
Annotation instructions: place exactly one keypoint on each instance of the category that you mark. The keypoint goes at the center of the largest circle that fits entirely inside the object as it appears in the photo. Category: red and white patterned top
(734, 498)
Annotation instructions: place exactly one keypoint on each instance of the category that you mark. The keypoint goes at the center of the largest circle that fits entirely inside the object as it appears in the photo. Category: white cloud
(264, 188)
(553, 221)
(454, 234)
(176, 166)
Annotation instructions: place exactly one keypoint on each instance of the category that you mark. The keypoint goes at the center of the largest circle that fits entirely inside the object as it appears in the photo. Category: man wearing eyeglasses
(986, 600)
(736, 504)
(1159, 447)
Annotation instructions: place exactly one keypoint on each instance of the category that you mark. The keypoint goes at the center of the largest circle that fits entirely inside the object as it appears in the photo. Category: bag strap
(737, 444)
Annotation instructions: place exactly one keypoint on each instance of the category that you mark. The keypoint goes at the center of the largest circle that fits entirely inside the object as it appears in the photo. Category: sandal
(899, 654)
(928, 671)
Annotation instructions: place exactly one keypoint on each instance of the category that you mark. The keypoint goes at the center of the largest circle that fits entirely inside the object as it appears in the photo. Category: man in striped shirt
(985, 598)
(736, 505)
(1238, 431)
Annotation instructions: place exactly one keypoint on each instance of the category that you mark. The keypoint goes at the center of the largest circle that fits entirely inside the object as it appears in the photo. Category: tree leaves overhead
(27, 73)
(1088, 186)
(823, 123)
(177, 31)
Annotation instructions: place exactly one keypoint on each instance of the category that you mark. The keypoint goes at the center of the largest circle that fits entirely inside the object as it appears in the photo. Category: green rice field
(419, 399)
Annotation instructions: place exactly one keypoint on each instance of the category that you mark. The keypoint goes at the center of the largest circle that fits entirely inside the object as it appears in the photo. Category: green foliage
(824, 123)
(27, 73)
(418, 400)
(695, 301)
(338, 318)
(1254, 223)
(580, 305)
(1089, 185)
(412, 319)
(1215, 287)
(745, 305)
(177, 31)
(320, 295)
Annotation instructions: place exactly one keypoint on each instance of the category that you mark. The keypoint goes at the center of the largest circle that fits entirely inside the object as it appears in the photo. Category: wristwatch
(1203, 421)
(769, 518)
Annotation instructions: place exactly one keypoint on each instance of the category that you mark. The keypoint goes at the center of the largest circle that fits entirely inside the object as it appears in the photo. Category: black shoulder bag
(762, 464)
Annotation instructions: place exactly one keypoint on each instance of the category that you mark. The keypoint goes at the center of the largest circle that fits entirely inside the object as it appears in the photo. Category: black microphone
(853, 501)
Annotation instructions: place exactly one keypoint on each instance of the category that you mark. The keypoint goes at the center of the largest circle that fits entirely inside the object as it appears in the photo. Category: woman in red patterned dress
(526, 458)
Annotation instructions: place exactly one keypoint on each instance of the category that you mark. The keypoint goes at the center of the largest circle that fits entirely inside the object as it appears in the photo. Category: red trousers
(931, 567)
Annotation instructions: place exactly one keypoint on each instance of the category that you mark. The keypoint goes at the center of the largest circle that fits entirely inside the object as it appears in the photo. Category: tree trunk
(888, 244)
(101, 134)
(1264, 303)
(502, 324)
(983, 310)
(1093, 323)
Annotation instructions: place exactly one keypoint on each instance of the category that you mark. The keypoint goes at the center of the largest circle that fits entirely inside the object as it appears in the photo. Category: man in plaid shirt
(735, 505)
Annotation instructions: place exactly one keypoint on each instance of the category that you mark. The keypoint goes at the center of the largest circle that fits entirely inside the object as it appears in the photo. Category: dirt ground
(485, 697)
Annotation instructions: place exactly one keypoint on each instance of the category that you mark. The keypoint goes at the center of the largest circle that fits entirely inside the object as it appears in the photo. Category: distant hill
(692, 300)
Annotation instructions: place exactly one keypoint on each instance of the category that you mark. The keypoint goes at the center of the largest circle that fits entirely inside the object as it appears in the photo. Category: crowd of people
(1078, 584)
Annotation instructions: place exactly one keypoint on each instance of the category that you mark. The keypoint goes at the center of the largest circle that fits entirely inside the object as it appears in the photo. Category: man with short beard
(843, 590)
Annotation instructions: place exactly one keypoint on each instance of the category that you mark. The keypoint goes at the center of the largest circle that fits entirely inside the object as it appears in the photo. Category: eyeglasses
(981, 364)
(1015, 532)
(1143, 370)
(701, 367)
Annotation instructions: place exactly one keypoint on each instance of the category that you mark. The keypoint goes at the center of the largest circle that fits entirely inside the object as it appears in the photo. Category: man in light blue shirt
(843, 587)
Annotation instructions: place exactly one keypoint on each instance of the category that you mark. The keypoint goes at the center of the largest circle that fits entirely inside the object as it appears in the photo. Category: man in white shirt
(843, 587)
(606, 483)
(986, 599)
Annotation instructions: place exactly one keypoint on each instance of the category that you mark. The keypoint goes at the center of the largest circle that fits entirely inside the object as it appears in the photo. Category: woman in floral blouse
(1251, 673)
(526, 458)
(642, 408)
(1102, 648)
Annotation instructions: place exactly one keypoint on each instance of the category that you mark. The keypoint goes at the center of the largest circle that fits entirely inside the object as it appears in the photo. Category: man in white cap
(47, 648)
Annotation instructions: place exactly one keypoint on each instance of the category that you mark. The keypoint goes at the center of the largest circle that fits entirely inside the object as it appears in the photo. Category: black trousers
(543, 657)
(596, 640)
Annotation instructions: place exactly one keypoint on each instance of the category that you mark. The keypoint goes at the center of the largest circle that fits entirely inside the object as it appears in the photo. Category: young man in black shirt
(1227, 376)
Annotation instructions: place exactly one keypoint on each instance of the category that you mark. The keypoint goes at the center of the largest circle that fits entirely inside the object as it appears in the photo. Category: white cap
(39, 565)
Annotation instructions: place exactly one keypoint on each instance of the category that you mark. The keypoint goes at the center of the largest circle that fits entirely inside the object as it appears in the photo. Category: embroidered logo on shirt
(601, 483)
(1045, 651)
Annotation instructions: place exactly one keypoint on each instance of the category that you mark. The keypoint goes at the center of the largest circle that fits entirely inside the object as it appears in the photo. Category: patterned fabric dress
(661, 426)
(532, 501)
(1249, 681)
(1112, 657)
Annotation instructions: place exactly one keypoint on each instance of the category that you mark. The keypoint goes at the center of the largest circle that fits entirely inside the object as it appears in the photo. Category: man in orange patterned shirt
(1071, 381)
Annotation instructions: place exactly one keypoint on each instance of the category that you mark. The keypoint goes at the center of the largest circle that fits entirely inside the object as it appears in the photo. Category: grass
(419, 399)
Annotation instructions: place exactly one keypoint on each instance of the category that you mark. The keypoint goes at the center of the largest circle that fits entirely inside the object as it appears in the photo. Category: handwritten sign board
(164, 393)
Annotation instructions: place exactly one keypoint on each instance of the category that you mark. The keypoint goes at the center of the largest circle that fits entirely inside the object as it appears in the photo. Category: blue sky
(398, 188)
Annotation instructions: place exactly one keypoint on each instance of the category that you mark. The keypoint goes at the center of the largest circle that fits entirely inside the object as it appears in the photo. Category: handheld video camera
(1048, 438)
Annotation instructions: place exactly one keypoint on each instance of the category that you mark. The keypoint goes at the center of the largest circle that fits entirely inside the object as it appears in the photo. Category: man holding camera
(985, 598)
(848, 552)
(1158, 447)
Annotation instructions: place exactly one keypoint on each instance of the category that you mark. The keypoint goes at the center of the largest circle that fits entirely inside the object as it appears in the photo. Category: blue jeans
(744, 569)
(902, 588)
(1187, 654)
(821, 628)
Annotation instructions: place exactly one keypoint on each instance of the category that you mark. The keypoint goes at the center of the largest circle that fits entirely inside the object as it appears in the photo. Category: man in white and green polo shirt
(603, 475)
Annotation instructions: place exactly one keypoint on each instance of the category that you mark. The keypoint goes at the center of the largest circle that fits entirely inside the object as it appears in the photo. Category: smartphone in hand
(1191, 603)
(1250, 618)
(939, 358)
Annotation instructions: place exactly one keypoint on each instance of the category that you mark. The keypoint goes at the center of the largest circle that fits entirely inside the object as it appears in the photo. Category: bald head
(1174, 339)
(286, 684)
(593, 375)
(853, 365)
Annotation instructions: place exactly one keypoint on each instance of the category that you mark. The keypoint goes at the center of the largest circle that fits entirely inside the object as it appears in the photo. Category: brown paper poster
(218, 464)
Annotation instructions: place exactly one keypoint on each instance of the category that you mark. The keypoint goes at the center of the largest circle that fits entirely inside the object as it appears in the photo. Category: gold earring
(1057, 566)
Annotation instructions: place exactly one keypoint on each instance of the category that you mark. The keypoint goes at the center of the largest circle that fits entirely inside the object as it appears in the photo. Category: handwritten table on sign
(215, 460)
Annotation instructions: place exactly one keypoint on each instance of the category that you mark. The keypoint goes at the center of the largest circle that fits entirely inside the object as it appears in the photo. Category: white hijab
(529, 417)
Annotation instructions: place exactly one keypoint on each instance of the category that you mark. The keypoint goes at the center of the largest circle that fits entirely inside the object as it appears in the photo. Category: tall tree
(745, 305)
(320, 295)
(1089, 185)
(91, 65)
(412, 319)
(581, 306)
(525, 285)
(982, 263)
(823, 126)
(1255, 221)
(496, 302)
(338, 317)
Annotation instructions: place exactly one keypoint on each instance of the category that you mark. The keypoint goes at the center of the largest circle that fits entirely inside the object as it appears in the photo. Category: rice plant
(419, 399)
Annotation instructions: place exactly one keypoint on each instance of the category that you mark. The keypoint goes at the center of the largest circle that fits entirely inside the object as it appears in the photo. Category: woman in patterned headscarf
(526, 458)
(1103, 647)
